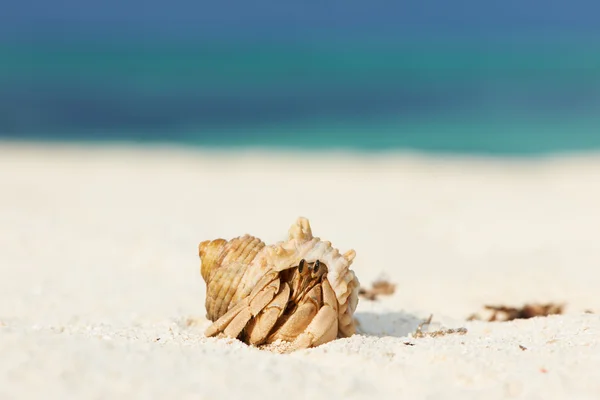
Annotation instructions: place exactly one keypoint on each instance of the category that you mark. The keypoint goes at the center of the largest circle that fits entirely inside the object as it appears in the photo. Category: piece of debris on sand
(381, 287)
(418, 333)
(505, 313)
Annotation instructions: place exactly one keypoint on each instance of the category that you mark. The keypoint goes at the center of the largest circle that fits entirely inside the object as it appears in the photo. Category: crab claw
(323, 327)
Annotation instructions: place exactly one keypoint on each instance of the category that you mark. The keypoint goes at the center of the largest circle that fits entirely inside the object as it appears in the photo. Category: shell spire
(210, 252)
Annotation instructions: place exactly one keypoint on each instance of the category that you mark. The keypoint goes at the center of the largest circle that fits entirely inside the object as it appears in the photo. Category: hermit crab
(300, 292)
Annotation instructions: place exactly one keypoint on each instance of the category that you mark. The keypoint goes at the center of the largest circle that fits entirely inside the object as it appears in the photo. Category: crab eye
(317, 265)
(301, 266)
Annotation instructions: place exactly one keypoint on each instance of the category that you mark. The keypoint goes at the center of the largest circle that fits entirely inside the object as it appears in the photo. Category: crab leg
(221, 323)
(233, 321)
(324, 326)
(259, 328)
(300, 318)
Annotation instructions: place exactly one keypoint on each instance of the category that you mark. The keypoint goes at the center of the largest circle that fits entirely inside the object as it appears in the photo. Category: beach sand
(101, 295)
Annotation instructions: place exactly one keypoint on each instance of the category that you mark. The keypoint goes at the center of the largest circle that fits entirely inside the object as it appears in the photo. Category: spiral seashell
(223, 265)
(301, 290)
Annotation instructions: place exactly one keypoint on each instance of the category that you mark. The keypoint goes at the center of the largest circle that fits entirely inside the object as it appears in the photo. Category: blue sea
(467, 95)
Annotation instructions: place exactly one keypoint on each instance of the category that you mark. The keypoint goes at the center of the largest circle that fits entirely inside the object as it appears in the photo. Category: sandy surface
(99, 273)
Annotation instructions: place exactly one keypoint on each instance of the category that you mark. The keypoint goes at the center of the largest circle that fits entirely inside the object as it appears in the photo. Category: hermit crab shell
(231, 269)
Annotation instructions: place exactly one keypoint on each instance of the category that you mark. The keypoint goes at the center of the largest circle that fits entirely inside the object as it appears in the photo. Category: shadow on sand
(398, 324)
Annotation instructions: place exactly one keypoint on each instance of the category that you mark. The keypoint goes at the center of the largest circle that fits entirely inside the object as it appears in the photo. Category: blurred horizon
(516, 77)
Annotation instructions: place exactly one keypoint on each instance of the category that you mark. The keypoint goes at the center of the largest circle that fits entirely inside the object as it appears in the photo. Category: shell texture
(247, 281)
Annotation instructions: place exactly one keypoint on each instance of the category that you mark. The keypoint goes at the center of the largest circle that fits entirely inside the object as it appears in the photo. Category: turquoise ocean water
(462, 96)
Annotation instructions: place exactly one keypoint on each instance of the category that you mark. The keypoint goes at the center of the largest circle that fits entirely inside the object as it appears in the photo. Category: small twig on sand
(441, 332)
(419, 331)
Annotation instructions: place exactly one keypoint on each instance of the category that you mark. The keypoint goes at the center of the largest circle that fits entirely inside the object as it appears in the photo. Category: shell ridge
(232, 247)
(240, 291)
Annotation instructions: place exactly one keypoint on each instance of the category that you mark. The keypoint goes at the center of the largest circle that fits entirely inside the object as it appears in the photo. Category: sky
(280, 18)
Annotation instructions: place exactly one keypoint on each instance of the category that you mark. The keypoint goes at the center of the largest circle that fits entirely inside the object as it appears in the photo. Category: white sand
(99, 273)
